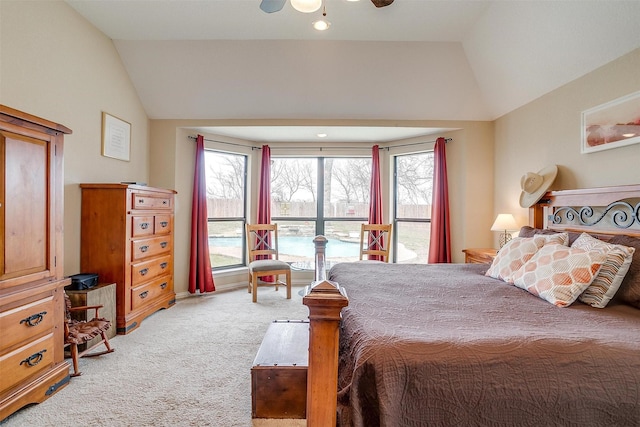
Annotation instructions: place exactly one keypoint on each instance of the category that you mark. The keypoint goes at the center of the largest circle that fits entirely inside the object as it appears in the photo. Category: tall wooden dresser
(127, 238)
(32, 366)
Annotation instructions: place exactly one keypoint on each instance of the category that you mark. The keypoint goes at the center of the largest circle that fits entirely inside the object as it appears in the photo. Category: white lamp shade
(306, 6)
(504, 222)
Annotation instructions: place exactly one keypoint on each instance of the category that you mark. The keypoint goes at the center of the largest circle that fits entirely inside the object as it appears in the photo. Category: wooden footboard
(325, 301)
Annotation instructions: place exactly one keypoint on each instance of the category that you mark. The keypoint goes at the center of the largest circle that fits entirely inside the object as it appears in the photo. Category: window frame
(320, 219)
(394, 190)
(242, 219)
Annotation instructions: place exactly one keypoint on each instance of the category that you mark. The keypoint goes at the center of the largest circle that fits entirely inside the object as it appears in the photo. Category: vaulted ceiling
(413, 60)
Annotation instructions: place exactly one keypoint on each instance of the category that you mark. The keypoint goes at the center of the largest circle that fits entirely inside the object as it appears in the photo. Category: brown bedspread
(435, 345)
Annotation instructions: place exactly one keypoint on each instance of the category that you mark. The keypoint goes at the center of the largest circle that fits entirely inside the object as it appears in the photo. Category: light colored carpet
(186, 366)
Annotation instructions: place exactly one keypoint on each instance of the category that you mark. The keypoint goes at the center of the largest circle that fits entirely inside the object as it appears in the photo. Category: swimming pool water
(297, 245)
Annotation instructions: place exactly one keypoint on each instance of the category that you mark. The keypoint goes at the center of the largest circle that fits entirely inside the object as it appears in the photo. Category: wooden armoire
(127, 239)
(32, 366)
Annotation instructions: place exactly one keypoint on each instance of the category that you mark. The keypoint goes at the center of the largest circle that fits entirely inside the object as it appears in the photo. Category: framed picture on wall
(611, 125)
(116, 137)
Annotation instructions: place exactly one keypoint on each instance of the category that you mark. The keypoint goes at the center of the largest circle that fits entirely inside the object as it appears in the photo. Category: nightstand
(479, 255)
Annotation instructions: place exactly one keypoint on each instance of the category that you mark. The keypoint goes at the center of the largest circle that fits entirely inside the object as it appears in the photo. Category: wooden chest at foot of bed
(279, 371)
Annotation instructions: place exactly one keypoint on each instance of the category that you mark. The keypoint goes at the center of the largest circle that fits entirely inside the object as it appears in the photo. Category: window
(226, 207)
(312, 196)
(413, 188)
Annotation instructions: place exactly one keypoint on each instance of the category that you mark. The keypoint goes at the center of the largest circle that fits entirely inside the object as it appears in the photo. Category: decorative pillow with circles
(512, 256)
(558, 273)
(612, 272)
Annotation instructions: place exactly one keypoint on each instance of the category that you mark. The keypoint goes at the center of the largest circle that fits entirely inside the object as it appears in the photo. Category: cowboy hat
(534, 185)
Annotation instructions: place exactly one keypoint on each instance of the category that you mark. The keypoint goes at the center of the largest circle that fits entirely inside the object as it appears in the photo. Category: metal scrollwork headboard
(620, 214)
(608, 210)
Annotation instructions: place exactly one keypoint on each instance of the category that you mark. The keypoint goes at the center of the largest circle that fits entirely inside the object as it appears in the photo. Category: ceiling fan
(271, 6)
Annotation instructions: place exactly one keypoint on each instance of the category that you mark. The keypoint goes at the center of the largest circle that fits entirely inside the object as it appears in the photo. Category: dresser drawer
(27, 361)
(145, 248)
(25, 322)
(163, 224)
(141, 295)
(144, 271)
(156, 201)
(142, 226)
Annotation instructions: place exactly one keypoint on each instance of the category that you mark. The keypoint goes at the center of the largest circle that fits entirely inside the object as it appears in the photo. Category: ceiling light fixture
(322, 135)
(628, 135)
(306, 6)
(322, 24)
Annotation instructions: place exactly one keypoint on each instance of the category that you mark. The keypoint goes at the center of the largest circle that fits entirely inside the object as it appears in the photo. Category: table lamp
(503, 223)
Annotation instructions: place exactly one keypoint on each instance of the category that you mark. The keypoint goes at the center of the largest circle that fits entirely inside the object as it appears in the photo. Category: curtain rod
(318, 148)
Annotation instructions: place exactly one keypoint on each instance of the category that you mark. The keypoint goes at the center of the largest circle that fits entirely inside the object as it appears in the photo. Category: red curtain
(264, 192)
(200, 276)
(375, 199)
(264, 198)
(440, 243)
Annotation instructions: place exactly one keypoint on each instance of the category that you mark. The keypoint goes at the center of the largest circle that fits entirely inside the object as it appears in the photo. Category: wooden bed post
(325, 301)
(537, 212)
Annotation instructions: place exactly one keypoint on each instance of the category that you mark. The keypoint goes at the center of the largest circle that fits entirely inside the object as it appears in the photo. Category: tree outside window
(226, 207)
(413, 188)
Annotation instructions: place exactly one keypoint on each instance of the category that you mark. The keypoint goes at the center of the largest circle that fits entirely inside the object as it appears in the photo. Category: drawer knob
(164, 223)
(140, 201)
(164, 265)
(34, 319)
(164, 285)
(34, 359)
(163, 244)
(144, 271)
(144, 294)
(164, 202)
(144, 248)
(144, 225)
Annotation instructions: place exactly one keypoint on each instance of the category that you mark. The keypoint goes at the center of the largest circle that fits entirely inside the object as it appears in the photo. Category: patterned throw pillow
(512, 256)
(549, 239)
(612, 272)
(558, 273)
(527, 231)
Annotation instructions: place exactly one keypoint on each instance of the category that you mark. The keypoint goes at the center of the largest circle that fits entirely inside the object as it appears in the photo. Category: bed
(445, 344)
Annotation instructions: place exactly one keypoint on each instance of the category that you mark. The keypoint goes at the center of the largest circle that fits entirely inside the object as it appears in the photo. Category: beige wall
(57, 66)
(547, 131)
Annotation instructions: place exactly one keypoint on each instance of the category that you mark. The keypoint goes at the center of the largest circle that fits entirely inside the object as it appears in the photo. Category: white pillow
(615, 267)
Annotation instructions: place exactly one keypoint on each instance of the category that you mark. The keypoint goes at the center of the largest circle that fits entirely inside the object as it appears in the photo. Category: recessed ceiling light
(322, 135)
(628, 135)
(321, 25)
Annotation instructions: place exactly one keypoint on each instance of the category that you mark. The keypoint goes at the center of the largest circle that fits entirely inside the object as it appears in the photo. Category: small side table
(103, 294)
(479, 255)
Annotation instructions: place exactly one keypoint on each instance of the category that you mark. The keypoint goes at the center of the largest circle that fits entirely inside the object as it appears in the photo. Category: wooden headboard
(603, 211)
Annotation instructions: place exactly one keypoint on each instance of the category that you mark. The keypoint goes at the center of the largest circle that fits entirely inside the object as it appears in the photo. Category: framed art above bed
(611, 125)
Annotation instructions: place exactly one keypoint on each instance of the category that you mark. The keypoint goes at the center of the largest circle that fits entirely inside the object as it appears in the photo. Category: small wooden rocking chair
(78, 332)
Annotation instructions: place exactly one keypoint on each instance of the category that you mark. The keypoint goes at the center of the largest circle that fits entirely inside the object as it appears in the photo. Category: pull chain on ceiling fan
(306, 6)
